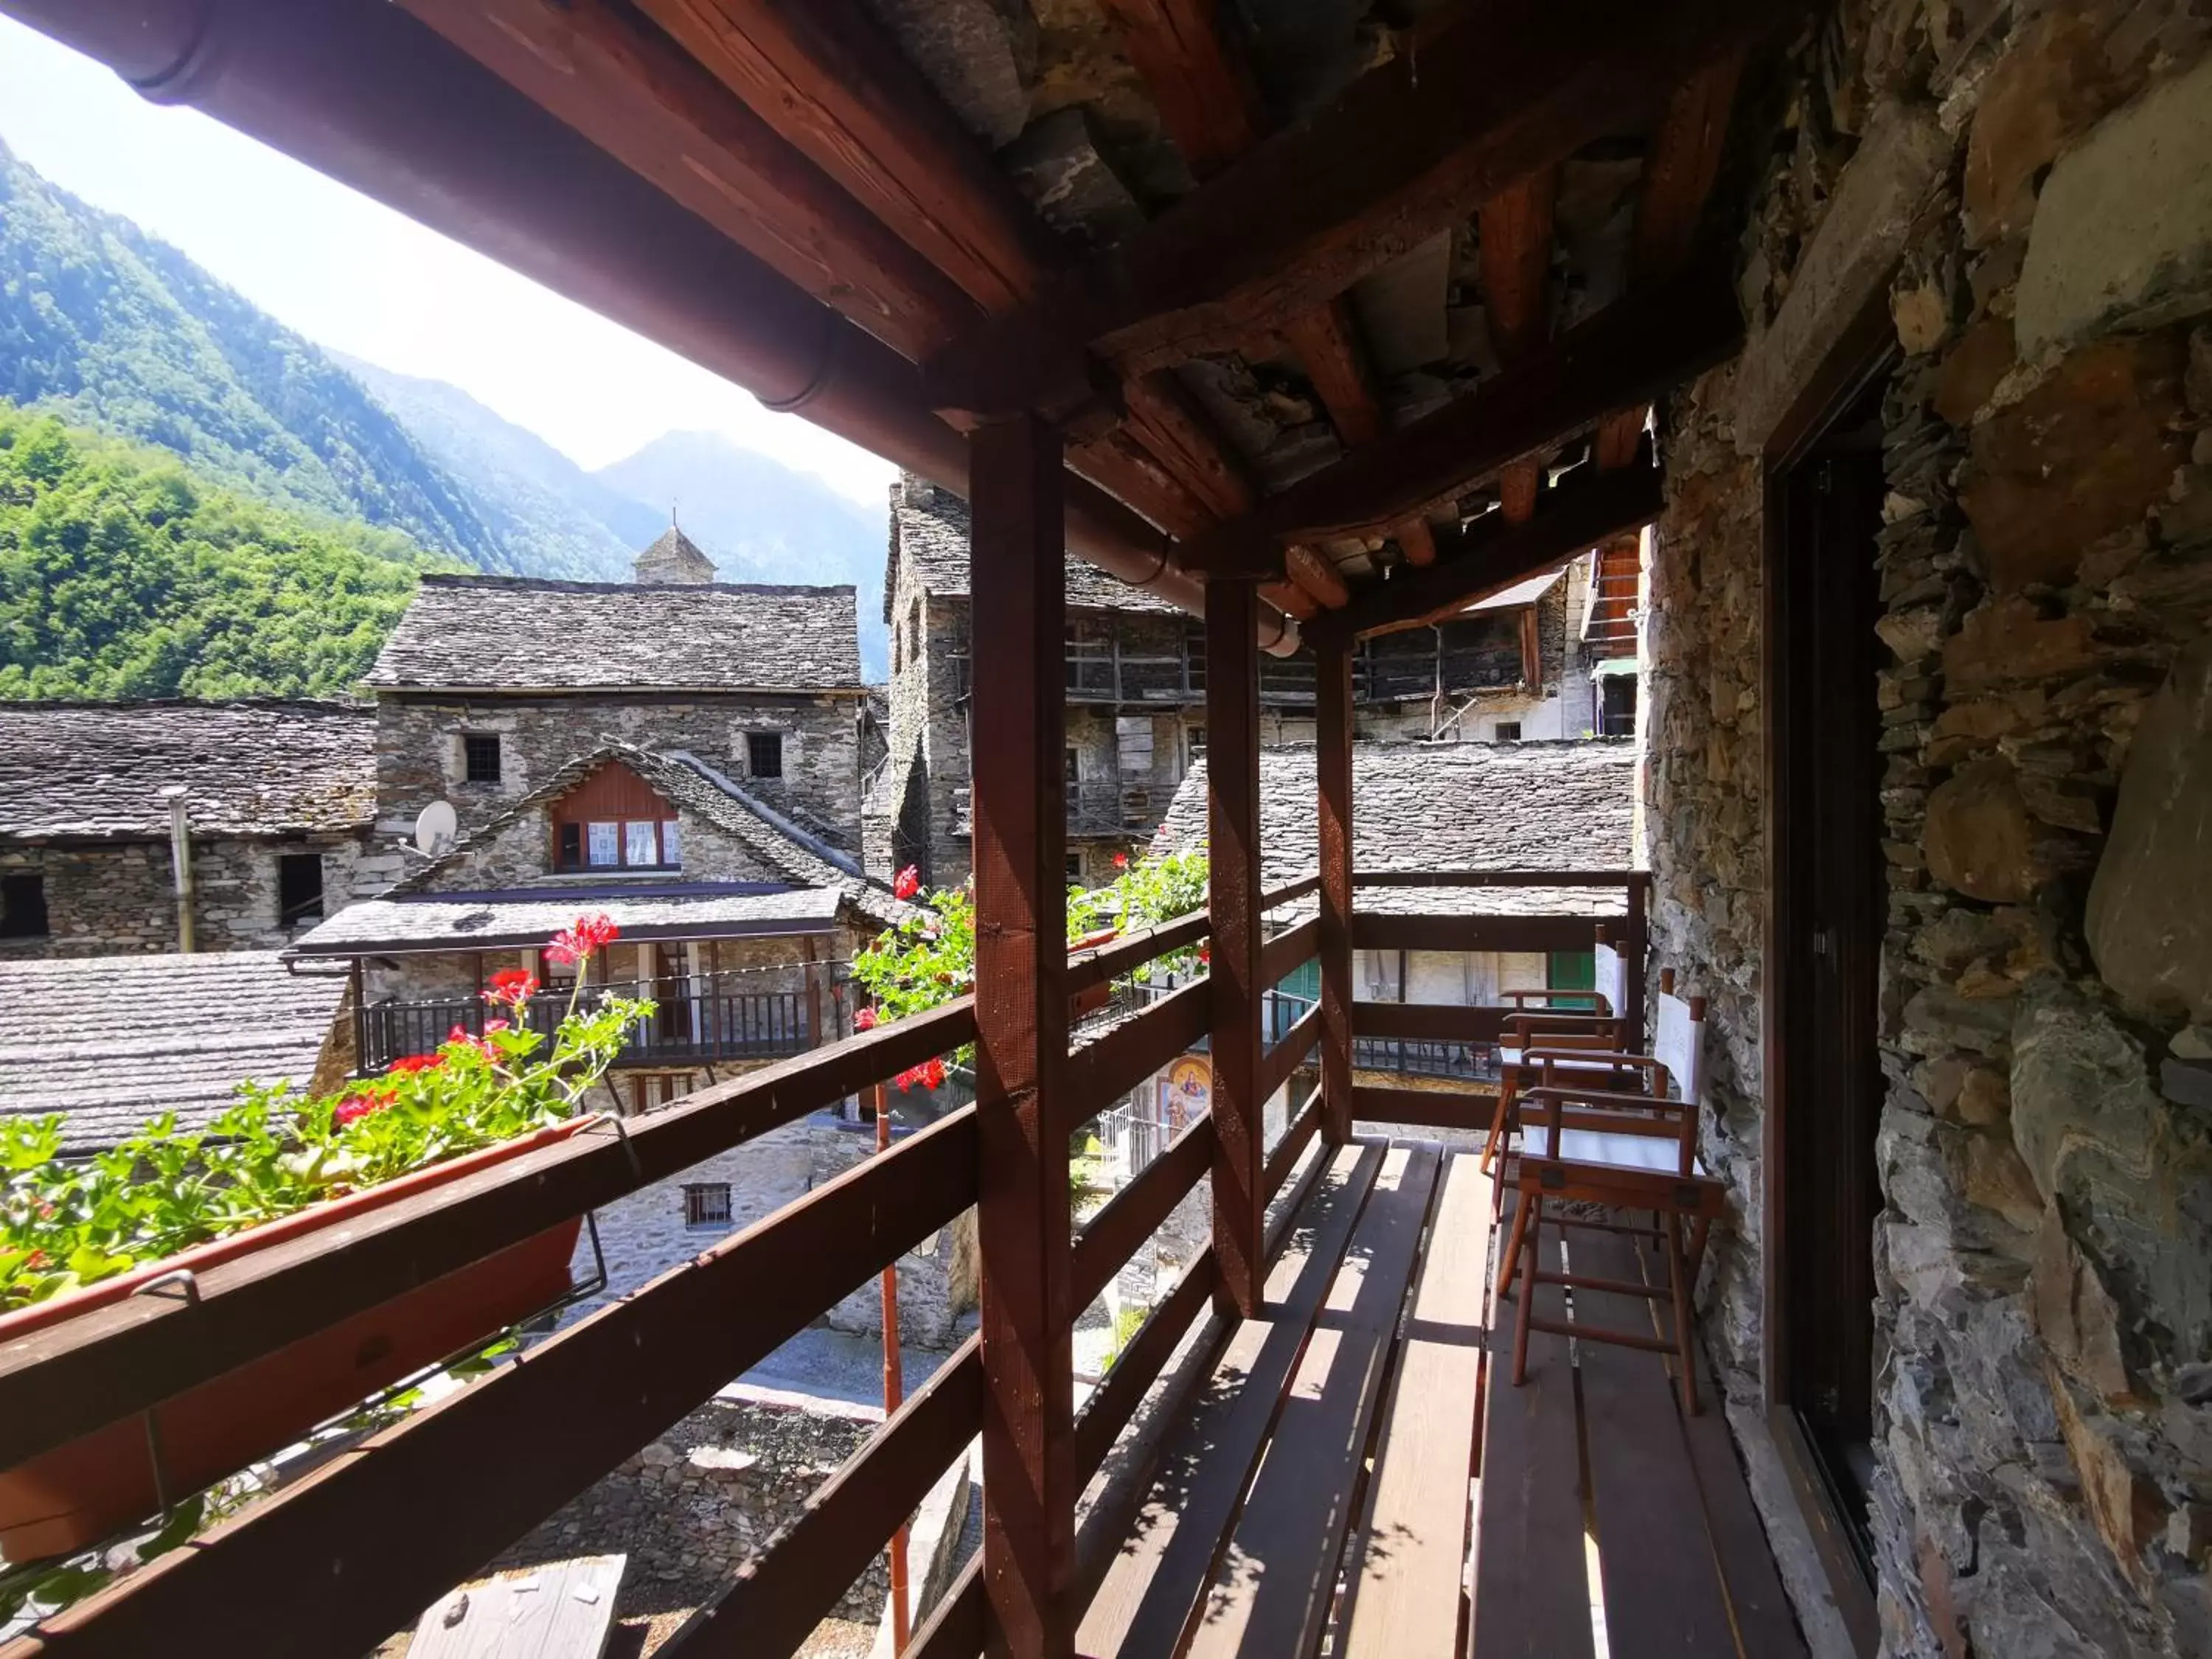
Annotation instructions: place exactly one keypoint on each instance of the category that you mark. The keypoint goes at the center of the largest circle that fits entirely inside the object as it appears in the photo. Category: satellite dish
(435, 826)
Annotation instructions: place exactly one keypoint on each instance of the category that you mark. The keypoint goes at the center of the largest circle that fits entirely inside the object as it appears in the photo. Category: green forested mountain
(123, 574)
(110, 329)
(531, 496)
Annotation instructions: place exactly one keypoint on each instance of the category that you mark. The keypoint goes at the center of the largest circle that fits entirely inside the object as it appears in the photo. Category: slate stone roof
(1563, 806)
(490, 921)
(265, 767)
(675, 557)
(931, 528)
(522, 633)
(196, 1027)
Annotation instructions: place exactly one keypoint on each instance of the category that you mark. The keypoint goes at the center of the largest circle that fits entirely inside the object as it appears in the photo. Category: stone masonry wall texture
(419, 757)
(2029, 181)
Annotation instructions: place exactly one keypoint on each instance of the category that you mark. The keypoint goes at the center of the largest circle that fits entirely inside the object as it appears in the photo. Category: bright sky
(350, 273)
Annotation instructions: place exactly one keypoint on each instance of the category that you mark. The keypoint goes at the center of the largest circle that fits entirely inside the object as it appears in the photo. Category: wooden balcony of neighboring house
(1610, 626)
(698, 1020)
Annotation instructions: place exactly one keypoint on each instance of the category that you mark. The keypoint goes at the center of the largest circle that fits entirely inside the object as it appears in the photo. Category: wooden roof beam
(1483, 96)
(1513, 250)
(1652, 338)
(1584, 509)
(620, 82)
(1192, 65)
(1678, 176)
(829, 77)
(1327, 342)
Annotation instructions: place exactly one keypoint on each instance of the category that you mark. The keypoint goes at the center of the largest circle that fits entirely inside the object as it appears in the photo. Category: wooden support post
(1029, 1485)
(1332, 782)
(1232, 776)
(1639, 895)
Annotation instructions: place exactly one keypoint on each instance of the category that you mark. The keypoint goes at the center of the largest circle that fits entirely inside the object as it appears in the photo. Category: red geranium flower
(418, 1062)
(512, 987)
(589, 934)
(932, 1075)
(1206, 954)
(1120, 860)
(354, 1108)
(865, 1020)
(906, 883)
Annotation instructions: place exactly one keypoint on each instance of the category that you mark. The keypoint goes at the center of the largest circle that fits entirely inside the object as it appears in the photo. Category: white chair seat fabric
(1657, 1154)
(1513, 1057)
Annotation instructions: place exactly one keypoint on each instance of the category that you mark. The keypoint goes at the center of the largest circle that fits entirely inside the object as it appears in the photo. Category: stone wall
(419, 760)
(644, 1234)
(105, 897)
(691, 1507)
(2028, 183)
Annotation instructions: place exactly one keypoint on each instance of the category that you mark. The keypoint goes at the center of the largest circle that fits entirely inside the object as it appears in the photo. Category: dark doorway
(1831, 900)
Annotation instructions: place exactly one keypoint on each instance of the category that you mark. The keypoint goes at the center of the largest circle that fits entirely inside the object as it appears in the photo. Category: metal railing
(1465, 1062)
(696, 1020)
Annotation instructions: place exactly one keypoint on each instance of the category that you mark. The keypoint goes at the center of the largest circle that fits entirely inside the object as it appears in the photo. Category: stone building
(1516, 665)
(734, 918)
(1529, 805)
(490, 685)
(675, 557)
(1967, 824)
(279, 800)
(736, 922)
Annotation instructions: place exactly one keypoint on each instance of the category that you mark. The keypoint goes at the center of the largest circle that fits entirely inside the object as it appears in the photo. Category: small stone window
(299, 887)
(1506, 732)
(23, 907)
(480, 757)
(764, 754)
(706, 1204)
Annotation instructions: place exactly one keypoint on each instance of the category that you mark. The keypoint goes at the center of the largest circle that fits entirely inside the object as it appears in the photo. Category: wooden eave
(807, 136)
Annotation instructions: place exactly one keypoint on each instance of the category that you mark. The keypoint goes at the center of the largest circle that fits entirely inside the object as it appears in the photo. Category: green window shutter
(1571, 970)
(1305, 980)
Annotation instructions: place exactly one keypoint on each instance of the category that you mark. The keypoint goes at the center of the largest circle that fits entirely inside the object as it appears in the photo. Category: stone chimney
(673, 558)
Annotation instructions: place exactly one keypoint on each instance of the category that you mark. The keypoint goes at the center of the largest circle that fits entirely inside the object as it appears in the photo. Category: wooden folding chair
(1622, 1152)
(1529, 1034)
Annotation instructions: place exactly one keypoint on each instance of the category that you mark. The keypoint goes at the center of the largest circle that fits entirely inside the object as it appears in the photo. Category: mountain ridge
(109, 328)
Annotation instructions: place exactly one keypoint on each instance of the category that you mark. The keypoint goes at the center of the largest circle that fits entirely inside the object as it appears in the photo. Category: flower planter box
(81, 1493)
(1090, 1001)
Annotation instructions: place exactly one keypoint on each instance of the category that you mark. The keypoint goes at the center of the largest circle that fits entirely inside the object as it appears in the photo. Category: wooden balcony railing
(355, 1550)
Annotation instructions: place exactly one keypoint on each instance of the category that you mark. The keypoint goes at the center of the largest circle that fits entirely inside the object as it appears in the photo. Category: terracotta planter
(1090, 1001)
(79, 1493)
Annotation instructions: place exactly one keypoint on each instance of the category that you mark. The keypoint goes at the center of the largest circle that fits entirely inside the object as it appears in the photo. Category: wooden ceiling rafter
(1192, 62)
(1655, 337)
(1327, 342)
(829, 77)
(1586, 507)
(1679, 172)
(1514, 251)
(829, 74)
(1483, 96)
(626, 86)
(1193, 66)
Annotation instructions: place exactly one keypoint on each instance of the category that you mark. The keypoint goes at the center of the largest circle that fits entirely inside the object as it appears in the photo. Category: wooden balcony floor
(1358, 1468)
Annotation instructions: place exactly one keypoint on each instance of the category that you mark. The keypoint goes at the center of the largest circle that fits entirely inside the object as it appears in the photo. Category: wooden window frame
(1864, 351)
